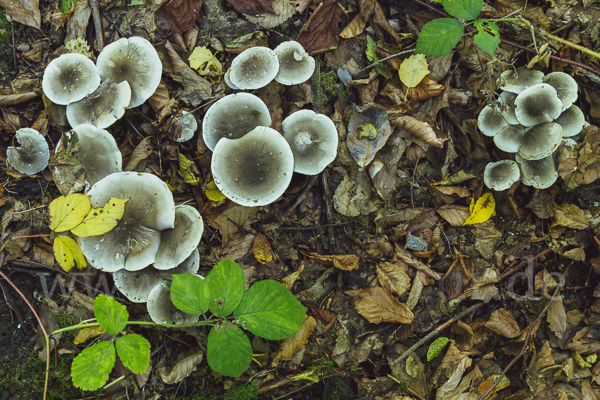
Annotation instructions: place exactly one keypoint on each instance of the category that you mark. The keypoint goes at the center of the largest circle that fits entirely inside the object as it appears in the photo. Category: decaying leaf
(88, 333)
(213, 193)
(206, 63)
(101, 220)
(482, 210)
(455, 215)
(346, 262)
(503, 323)
(413, 70)
(262, 249)
(378, 305)
(487, 237)
(489, 382)
(557, 317)
(364, 147)
(141, 152)
(421, 130)
(571, 216)
(393, 278)
(26, 12)
(290, 346)
(186, 166)
(319, 33)
(455, 179)
(182, 368)
(180, 15)
(288, 281)
(68, 254)
(251, 7)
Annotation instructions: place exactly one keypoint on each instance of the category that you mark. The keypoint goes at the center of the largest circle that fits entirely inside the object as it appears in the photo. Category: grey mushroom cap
(134, 60)
(254, 170)
(572, 121)
(178, 243)
(537, 105)
(490, 121)
(541, 174)
(101, 108)
(566, 87)
(540, 141)
(70, 78)
(33, 154)
(254, 68)
(134, 242)
(506, 107)
(313, 139)
(295, 64)
(232, 117)
(509, 138)
(161, 308)
(227, 78)
(189, 126)
(519, 79)
(501, 175)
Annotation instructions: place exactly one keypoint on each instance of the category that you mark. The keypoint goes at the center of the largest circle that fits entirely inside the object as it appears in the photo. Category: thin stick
(97, 23)
(385, 59)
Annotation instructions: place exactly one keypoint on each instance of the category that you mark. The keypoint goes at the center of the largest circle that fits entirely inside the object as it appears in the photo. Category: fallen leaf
(141, 152)
(319, 33)
(186, 166)
(213, 193)
(378, 305)
(455, 179)
(347, 262)
(252, 7)
(88, 333)
(68, 254)
(455, 215)
(26, 12)
(288, 281)
(359, 22)
(262, 249)
(571, 216)
(413, 70)
(393, 278)
(557, 317)
(66, 212)
(482, 210)
(426, 89)
(364, 148)
(182, 368)
(101, 220)
(421, 130)
(203, 60)
(487, 237)
(503, 323)
(179, 15)
(489, 382)
(290, 346)
(407, 258)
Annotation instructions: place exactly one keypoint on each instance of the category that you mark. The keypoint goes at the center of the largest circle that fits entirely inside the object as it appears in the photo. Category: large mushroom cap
(254, 68)
(509, 138)
(541, 174)
(506, 107)
(519, 79)
(162, 310)
(134, 242)
(133, 60)
(565, 85)
(232, 117)
(33, 155)
(101, 108)
(501, 175)
(70, 78)
(255, 169)
(295, 65)
(313, 139)
(572, 121)
(178, 243)
(537, 105)
(540, 141)
(490, 121)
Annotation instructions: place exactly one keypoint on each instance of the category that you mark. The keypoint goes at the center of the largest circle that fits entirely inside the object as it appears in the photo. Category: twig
(523, 264)
(307, 228)
(112, 23)
(329, 213)
(97, 23)
(14, 51)
(401, 53)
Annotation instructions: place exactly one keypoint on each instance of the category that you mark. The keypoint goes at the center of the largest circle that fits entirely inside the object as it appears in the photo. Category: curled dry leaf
(140, 153)
(571, 216)
(289, 280)
(453, 190)
(426, 89)
(557, 317)
(262, 249)
(319, 33)
(393, 278)
(407, 258)
(182, 368)
(421, 130)
(503, 323)
(358, 24)
(347, 262)
(378, 305)
(290, 346)
(455, 215)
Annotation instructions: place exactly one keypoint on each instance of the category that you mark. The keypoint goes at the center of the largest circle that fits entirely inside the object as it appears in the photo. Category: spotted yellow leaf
(66, 212)
(262, 249)
(101, 220)
(481, 210)
(413, 70)
(213, 193)
(88, 333)
(205, 62)
(185, 166)
(68, 254)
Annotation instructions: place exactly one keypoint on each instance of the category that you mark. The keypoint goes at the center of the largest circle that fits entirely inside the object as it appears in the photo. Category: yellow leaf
(262, 249)
(66, 212)
(185, 166)
(101, 220)
(68, 253)
(88, 333)
(482, 210)
(413, 70)
(367, 130)
(213, 193)
(205, 62)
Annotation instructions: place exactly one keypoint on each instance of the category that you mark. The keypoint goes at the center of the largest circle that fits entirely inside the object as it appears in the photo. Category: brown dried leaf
(426, 89)
(571, 216)
(453, 284)
(393, 278)
(179, 15)
(557, 317)
(234, 218)
(26, 12)
(421, 130)
(182, 368)
(13, 99)
(262, 249)
(576, 254)
(453, 190)
(542, 204)
(363, 149)
(160, 98)
(378, 305)
(289, 280)
(347, 262)
(532, 13)
(237, 247)
(503, 323)
(407, 258)
(140, 153)
(358, 24)
(40, 255)
(487, 238)
(319, 33)
(455, 215)
(290, 346)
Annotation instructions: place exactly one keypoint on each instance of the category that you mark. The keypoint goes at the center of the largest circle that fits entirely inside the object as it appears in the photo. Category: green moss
(331, 86)
(5, 32)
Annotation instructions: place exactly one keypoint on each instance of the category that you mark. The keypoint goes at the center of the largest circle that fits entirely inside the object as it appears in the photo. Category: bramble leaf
(111, 315)
(101, 220)
(488, 37)
(66, 212)
(90, 369)
(228, 351)
(226, 284)
(438, 37)
(436, 348)
(68, 253)
(134, 352)
(464, 9)
(190, 294)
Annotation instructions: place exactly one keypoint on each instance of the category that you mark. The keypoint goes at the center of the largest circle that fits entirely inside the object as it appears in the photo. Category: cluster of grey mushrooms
(252, 164)
(533, 115)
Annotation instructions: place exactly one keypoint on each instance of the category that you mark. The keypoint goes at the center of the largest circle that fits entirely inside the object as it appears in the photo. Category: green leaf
(438, 37)
(270, 311)
(435, 349)
(464, 9)
(90, 369)
(111, 315)
(190, 294)
(229, 351)
(371, 50)
(226, 285)
(134, 352)
(488, 37)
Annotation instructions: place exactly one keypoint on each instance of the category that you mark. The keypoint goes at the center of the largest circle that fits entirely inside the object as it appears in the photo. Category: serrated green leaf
(226, 285)
(464, 9)
(228, 351)
(111, 315)
(436, 348)
(488, 37)
(134, 352)
(270, 311)
(90, 369)
(190, 294)
(438, 37)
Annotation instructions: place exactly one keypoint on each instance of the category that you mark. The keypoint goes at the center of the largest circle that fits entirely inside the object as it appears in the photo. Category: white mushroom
(565, 86)
(188, 125)
(295, 64)
(537, 105)
(70, 78)
(540, 174)
(519, 79)
(33, 155)
(162, 310)
(178, 243)
(509, 138)
(572, 121)
(490, 121)
(101, 108)
(540, 141)
(506, 107)
(254, 68)
(501, 175)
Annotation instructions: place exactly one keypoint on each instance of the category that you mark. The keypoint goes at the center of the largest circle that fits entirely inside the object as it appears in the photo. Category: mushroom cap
(572, 121)
(101, 108)
(295, 64)
(227, 78)
(506, 107)
(162, 310)
(501, 175)
(70, 78)
(313, 139)
(33, 155)
(137, 285)
(509, 138)
(178, 243)
(189, 126)
(254, 68)
(537, 105)
(134, 242)
(519, 79)
(232, 117)
(254, 170)
(134, 60)
(566, 87)
(541, 174)
(540, 141)
(190, 265)
(490, 121)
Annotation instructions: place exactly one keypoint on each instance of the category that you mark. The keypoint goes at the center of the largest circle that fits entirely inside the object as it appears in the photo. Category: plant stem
(147, 323)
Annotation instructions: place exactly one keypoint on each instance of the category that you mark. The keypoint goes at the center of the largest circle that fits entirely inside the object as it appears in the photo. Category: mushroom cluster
(533, 114)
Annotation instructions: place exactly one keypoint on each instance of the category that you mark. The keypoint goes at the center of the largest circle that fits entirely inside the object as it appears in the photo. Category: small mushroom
(295, 65)
(313, 139)
(509, 138)
(540, 141)
(101, 108)
(188, 125)
(134, 60)
(506, 107)
(162, 310)
(70, 78)
(541, 174)
(501, 175)
(178, 243)
(232, 117)
(33, 155)
(227, 78)
(255, 169)
(565, 86)
(537, 105)
(519, 79)
(254, 68)
(490, 121)
(572, 121)
(98, 153)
